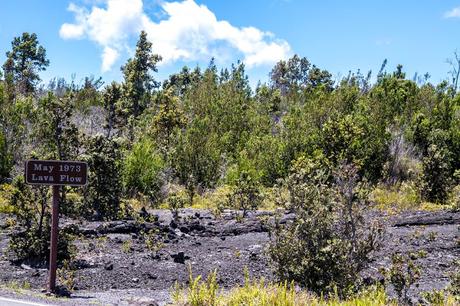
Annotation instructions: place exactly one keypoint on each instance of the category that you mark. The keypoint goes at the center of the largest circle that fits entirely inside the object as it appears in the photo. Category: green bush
(30, 239)
(246, 193)
(176, 201)
(104, 189)
(436, 177)
(327, 244)
(142, 170)
(402, 274)
(5, 159)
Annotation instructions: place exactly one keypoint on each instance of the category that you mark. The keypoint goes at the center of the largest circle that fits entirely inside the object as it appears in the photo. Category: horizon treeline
(205, 129)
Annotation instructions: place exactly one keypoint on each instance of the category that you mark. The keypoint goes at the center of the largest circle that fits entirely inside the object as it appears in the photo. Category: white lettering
(38, 167)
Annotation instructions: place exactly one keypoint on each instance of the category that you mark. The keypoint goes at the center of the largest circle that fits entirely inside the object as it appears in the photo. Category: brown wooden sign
(56, 172)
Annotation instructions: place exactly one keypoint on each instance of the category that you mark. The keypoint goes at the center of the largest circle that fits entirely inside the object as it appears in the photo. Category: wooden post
(55, 173)
(54, 239)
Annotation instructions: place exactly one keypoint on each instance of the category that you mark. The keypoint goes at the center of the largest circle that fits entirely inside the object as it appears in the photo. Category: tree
(111, 96)
(168, 117)
(196, 159)
(138, 82)
(103, 192)
(56, 134)
(25, 60)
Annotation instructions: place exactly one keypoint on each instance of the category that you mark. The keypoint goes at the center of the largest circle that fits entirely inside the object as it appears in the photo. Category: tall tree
(25, 60)
(138, 81)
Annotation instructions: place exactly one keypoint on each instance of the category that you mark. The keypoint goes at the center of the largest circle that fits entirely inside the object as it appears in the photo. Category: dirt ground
(117, 263)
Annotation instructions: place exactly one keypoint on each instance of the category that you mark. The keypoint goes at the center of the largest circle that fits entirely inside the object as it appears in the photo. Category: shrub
(176, 201)
(402, 274)
(327, 245)
(6, 161)
(454, 198)
(103, 192)
(142, 170)
(437, 169)
(30, 240)
(454, 287)
(245, 194)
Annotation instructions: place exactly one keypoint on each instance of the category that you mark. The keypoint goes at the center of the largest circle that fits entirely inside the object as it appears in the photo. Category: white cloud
(453, 13)
(109, 57)
(189, 32)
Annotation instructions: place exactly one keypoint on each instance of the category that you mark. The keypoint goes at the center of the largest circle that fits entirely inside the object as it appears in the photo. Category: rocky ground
(124, 262)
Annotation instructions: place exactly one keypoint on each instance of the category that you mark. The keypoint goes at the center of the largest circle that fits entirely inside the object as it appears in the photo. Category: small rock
(184, 229)
(135, 280)
(26, 267)
(151, 276)
(222, 238)
(173, 224)
(180, 257)
(36, 273)
(108, 266)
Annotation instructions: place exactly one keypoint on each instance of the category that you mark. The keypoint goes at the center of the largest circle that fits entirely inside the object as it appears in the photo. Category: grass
(262, 293)
(400, 198)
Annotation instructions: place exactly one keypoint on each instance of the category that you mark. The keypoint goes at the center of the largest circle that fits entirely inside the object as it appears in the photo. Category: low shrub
(402, 274)
(245, 194)
(29, 240)
(142, 171)
(327, 244)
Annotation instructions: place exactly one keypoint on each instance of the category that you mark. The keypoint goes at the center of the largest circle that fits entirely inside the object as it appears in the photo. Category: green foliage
(454, 287)
(138, 82)
(55, 135)
(246, 193)
(24, 61)
(111, 97)
(436, 174)
(5, 159)
(328, 243)
(142, 170)
(104, 189)
(402, 274)
(168, 118)
(197, 157)
(351, 139)
(176, 201)
(31, 239)
(262, 293)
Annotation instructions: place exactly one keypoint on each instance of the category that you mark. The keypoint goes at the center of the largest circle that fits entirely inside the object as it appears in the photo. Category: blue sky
(95, 37)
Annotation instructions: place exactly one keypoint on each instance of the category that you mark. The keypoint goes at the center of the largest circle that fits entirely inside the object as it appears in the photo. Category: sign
(56, 172)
